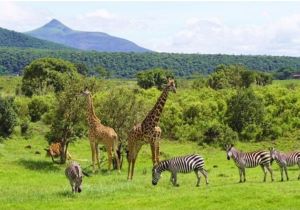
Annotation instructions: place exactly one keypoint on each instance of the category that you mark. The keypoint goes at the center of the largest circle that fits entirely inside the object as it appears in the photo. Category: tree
(45, 74)
(236, 76)
(153, 77)
(102, 72)
(244, 109)
(82, 69)
(121, 110)
(8, 116)
(69, 116)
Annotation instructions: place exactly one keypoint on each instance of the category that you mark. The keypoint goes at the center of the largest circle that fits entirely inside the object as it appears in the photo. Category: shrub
(37, 108)
(8, 116)
(218, 134)
(244, 109)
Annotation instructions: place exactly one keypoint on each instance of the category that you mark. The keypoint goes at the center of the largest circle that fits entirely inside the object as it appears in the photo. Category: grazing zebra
(284, 160)
(250, 160)
(183, 164)
(74, 174)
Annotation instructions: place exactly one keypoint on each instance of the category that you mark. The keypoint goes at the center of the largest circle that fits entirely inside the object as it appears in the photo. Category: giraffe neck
(92, 118)
(153, 116)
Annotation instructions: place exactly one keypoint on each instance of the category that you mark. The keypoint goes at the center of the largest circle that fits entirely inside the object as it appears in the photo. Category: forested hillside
(126, 65)
(14, 39)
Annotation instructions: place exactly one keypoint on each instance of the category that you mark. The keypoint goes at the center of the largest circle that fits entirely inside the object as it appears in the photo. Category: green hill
(126, 65)
(14, 39)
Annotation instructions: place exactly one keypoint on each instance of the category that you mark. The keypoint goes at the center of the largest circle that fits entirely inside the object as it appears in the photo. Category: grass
(31, 181)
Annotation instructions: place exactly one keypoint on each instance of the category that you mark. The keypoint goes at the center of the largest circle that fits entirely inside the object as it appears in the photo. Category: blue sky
(271, 28)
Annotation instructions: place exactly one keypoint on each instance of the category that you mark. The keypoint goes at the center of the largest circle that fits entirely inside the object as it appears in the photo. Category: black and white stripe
(285, 160)
(183, 164)
(250, 160)
(74, 174)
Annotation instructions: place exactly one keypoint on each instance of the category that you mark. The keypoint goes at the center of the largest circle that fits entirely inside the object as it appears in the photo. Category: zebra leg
(265, 172)
(286, 173)
(204, 172)
(281, 172)
(240, 172)
(244, 174)
(271, 172)
(299, 168)
(73, 186)
(198, 178)
(174, 174)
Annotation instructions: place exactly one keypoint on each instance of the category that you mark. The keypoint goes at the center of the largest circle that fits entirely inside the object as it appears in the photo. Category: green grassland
(31, 181)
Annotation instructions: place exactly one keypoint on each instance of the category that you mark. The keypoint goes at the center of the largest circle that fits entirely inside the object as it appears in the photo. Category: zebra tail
(85, 174)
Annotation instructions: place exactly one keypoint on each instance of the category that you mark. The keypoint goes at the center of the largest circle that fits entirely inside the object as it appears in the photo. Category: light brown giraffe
(100, 134)
(148, 132)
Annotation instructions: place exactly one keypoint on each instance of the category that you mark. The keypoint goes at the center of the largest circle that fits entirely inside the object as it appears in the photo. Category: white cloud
(19, 18)
(279, 37)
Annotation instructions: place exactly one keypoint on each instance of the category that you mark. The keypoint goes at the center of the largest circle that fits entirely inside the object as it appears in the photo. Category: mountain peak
(54, 23)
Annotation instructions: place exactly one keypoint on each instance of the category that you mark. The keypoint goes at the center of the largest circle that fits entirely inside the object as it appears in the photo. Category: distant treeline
(126, 65)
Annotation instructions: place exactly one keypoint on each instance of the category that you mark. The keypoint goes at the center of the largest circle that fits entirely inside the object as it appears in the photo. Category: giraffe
(148, 132)
(100, 134)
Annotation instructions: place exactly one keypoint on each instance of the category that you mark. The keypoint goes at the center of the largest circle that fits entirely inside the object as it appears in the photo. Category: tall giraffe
(100, 134)
(148, 132)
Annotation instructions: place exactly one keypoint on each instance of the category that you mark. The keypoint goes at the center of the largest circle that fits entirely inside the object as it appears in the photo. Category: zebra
(184, 164)
(250, 160)
(75, 174)
(284, 160)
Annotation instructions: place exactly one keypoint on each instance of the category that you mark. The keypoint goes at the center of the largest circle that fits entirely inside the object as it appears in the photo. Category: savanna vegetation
(207, 112)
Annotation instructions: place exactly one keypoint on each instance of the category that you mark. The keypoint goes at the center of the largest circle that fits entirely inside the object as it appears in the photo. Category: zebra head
(155, 175)
(229, 150)
(273, 153)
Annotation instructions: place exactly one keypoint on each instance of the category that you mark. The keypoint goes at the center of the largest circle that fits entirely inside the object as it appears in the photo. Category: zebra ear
(231, 145)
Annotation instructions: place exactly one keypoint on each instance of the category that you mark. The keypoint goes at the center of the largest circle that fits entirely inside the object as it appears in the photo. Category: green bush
(218, 134)
(244, 109)
(37, 108)
(8, 116)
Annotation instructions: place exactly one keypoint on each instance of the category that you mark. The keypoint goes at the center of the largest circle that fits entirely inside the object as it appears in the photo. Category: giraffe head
(86, 92)
(171, 85)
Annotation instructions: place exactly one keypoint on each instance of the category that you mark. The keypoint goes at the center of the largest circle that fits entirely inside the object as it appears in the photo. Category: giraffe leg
(129, 168)
(157, 152)
(118, 160)
(97, 155)
(132, 167)
(93, 155)
(109, 154)
(153, 153)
